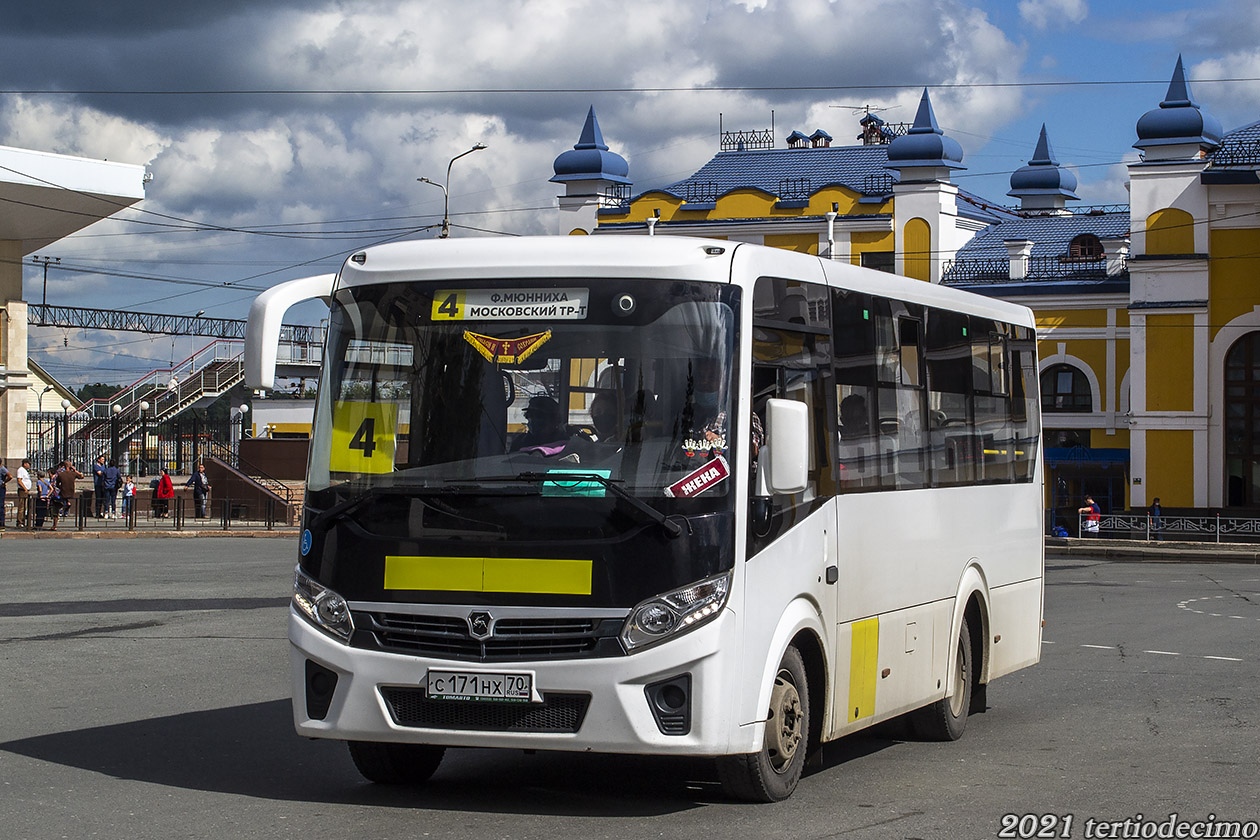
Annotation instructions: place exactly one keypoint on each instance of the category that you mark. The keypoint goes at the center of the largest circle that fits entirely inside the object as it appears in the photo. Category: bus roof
(675, 257)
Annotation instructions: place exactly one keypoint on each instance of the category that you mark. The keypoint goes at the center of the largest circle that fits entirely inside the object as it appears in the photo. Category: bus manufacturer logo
(480, 625)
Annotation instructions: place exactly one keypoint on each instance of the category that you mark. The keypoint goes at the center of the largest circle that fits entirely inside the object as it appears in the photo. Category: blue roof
(925, 144)
(1178, 119)
(859, 168)
(589, 159)
(1042, 175)
(1050, 233)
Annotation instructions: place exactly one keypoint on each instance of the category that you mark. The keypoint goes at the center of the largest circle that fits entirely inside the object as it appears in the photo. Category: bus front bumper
(375, 696)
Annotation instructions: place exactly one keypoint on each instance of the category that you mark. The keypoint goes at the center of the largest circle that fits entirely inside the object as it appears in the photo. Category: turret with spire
(925, 208)
(588, 171)
(1178, 129)
(1043, 184)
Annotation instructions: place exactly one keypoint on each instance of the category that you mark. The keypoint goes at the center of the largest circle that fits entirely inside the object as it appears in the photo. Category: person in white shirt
(24, 485)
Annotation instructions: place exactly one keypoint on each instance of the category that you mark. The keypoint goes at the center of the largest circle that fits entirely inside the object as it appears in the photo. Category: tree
(97, 390)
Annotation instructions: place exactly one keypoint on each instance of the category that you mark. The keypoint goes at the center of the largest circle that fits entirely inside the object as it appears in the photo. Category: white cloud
(1235, 103)
(518, 76)
(74, 129)
(1047, 14)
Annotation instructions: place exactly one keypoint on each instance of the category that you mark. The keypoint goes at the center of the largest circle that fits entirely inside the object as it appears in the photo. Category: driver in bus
(546, 426)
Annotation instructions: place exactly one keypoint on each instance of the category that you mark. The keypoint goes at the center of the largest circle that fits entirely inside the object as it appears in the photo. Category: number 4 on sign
(363, 438)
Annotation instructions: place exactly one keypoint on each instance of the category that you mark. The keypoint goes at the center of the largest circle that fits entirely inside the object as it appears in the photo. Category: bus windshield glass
(602, 389)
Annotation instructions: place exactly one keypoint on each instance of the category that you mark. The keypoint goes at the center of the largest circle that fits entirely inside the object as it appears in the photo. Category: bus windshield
(613, 390)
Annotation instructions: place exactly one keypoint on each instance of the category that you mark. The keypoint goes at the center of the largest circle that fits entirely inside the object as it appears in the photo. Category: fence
(143, 512)
(1208, 527)
(177, 444)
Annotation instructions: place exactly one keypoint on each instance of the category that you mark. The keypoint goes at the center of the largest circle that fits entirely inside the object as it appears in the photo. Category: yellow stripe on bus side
(528, 575)
(863, 665)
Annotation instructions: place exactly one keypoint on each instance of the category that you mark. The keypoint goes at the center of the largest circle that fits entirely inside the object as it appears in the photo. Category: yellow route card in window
(363, 437)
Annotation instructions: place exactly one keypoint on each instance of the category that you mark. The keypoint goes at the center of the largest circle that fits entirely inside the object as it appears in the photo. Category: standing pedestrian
(129, 497)
(43, 489)
(24, 486)
(98, 486)
(113, 479)
(1157, 515)
(66, 477)
(163, 494)
(200, 485)
(5, 478)
(57, 506)
(1091, 519)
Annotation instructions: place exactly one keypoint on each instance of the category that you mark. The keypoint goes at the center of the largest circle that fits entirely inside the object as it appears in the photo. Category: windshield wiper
(671, 528)
(356, 501)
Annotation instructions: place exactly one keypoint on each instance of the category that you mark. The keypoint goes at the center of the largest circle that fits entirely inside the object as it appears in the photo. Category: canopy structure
(43, 198)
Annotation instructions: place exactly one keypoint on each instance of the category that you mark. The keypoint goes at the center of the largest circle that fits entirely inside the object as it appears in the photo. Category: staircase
(200, 379)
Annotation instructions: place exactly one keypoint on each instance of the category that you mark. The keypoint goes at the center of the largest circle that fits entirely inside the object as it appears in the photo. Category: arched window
(1085, 247)
(1242, 422)
(1064, 388)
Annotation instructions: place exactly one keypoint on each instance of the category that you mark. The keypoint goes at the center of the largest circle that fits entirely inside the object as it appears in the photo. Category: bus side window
(792, 360)
(858, 455)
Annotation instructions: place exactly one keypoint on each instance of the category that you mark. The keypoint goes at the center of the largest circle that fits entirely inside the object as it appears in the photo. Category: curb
(286, 533)
(1161, 552)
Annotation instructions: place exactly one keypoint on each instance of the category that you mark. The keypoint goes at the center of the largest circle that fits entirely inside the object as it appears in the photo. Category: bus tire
(771, 774)
(946, 719)
(395, 764)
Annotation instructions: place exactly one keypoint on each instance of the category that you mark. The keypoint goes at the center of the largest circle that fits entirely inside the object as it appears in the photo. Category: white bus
(656, 495)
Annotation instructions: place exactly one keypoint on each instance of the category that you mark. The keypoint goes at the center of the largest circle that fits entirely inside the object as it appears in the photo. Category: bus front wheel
(771, 774)
(945, 719)
(395, 764)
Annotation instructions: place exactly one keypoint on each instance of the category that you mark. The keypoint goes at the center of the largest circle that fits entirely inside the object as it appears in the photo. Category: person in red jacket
(162, 496)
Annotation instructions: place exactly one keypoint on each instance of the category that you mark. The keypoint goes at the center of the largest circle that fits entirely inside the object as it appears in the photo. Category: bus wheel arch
(972, 605)
(771, 774)
(946, 718)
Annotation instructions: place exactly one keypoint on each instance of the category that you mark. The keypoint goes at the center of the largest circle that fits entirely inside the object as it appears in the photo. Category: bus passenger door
(792, 538)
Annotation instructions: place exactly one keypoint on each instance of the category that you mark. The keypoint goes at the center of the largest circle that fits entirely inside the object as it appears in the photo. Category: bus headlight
(663, 616)
(321, 606)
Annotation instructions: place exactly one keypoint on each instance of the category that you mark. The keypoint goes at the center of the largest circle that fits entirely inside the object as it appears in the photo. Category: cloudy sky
(283, 135)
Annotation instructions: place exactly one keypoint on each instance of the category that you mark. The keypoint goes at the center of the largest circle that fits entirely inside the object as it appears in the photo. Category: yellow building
(1148, 314)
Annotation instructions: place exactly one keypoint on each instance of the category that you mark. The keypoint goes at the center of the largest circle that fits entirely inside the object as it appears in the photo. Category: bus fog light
(321, 606)
(675, 612)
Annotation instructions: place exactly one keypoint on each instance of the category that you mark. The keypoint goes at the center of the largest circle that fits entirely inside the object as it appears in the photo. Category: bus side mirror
(266, 316)
(783, 464)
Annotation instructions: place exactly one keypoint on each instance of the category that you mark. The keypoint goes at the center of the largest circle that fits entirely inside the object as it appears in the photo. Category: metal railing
(1195, 528)
(231, 455)
(998, 269)
(142, 513)
(739, 141)
(1246, 153)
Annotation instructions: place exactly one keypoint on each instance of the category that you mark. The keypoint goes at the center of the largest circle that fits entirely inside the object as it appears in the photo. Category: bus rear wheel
(395, 764)
(946, 719)
(771, 774)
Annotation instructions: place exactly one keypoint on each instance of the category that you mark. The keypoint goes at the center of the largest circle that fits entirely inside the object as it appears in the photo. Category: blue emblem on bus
(307, 540)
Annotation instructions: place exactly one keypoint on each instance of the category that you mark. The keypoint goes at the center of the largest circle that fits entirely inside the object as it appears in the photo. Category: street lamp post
(144, 438)
(113, 432)
(172, 391)
(446, 190)
(39, 398)
(65, 429)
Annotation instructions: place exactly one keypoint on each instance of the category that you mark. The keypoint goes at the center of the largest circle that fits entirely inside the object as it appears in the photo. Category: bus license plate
(479, 685)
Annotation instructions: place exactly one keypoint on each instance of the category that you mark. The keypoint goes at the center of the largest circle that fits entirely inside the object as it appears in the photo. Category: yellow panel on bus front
(863, 664)
(527, 575)
(363, 437)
